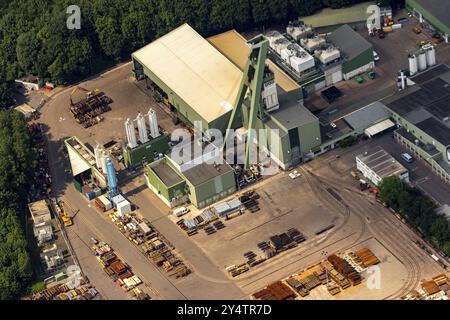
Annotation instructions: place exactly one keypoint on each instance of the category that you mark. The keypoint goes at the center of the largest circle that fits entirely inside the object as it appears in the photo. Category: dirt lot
(284, 203)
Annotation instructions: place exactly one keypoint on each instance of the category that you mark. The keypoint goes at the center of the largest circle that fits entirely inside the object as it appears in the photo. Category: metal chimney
(153, 123)
(98, 156)
(143, 137)
(112, 180)
(131, 135)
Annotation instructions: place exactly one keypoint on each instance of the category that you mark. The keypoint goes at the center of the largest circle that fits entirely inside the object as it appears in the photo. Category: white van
(376, 57)
(407, 157)
(181, 211)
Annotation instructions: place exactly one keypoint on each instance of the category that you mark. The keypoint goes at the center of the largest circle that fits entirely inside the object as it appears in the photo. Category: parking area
(284, 203)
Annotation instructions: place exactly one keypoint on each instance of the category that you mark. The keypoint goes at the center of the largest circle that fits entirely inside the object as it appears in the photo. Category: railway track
(392, 233)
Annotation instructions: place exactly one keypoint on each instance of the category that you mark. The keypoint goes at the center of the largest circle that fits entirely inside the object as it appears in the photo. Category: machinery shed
(200, 82)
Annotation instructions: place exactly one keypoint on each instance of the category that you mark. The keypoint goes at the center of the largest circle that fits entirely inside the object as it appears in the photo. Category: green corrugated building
(201, 179)
(356, 51)
(145, 152)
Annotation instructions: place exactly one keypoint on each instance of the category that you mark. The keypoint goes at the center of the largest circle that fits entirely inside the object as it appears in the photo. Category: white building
(377, 164)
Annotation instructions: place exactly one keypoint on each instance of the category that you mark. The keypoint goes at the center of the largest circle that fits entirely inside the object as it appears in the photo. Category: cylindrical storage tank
(431, 56)
(413, 64)
(103, 158)
(422, 61)
(142, 129)
(98, 156)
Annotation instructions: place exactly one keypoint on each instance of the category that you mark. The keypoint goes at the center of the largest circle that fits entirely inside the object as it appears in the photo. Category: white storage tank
(431, 55)
(422, 60)
(413, 64)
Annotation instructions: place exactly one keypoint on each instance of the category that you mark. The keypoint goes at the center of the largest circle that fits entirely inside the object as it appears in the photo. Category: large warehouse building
(423, 113)
(435, 13)
(198, 80)
(201, 79)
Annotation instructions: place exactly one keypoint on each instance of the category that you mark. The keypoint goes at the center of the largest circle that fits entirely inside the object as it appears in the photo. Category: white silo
(431, 55)
(413, 64)
(143, 137)
(153, 123)
(131, 135)
(422, 60)
(103, 158)
(98, 155)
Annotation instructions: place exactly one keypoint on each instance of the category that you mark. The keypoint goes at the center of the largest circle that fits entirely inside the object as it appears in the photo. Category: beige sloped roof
(196, 71)
(235, 48)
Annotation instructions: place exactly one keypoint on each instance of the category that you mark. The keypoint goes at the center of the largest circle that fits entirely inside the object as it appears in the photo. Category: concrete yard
(281, 208)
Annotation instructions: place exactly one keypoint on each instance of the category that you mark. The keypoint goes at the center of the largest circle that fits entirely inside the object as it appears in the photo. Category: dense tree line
(34, 38)
(418, 209)
(16, 169)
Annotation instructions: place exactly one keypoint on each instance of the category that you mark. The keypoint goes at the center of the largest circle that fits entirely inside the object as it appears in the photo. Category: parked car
(417, 30)
(181, 211)
(294, 174)
(407, 157)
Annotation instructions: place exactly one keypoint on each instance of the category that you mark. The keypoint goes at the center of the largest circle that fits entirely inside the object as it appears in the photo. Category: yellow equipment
(89, 94)
(67, 220)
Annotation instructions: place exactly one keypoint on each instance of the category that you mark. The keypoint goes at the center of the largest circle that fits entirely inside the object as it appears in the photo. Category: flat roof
(196, 71)
(436, 130)
(350, 43)
(438, 8)
(166, 173)
(426, 103)
(381, 162)
(292, 113)
(234, 46)
(368, 115)
(205, 172)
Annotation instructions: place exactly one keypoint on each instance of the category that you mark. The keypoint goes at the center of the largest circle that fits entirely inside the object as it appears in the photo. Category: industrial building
(216, 69)
(200, 176)
(151, 143)
(377, 164)
(434, 13)
(198, 81)
(356, 51)
(422, 112)
(85, 165)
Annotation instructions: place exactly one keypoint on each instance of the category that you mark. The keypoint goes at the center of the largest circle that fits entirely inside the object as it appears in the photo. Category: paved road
(207, 281)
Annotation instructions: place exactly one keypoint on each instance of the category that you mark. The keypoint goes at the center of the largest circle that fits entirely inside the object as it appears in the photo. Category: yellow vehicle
(66, 219)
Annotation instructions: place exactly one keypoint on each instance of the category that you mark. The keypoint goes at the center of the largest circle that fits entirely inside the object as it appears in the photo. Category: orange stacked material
(430, 287)
(367, 257)
(345, 269)
(440, 279)
(275, 291)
